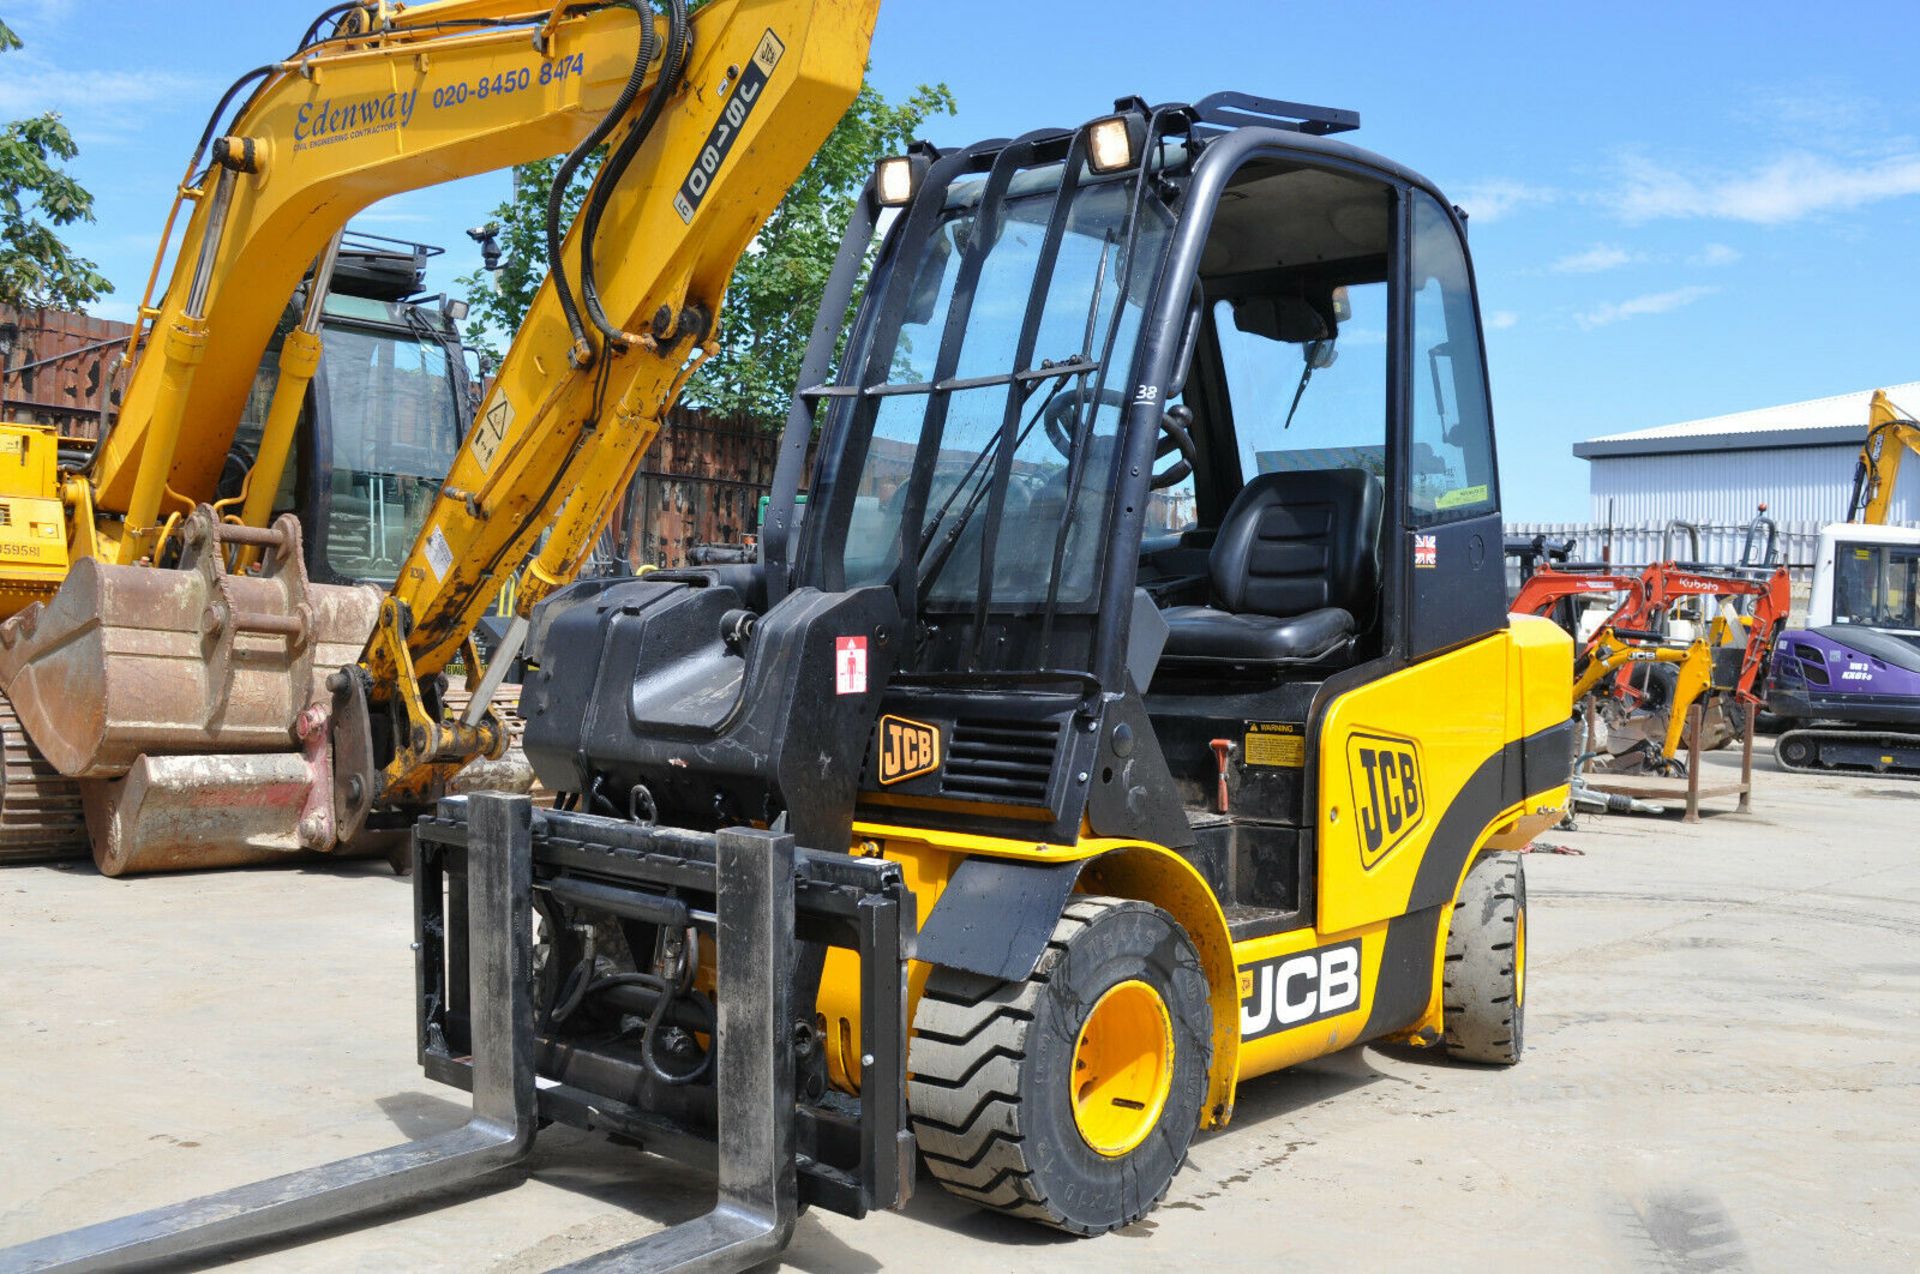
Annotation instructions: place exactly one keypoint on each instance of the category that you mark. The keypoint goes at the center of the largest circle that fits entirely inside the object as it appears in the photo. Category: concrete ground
(1722, 1072)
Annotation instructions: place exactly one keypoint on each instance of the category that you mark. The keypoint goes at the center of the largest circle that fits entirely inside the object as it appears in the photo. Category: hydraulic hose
(679, 39)
(556, 194)
(326, 15)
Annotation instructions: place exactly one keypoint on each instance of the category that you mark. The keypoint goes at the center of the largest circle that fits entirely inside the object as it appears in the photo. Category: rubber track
(969, 1047)
(41, 816)
(1893, 738)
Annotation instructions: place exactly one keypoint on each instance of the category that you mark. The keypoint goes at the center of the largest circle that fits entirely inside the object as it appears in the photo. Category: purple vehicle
(1848, 684)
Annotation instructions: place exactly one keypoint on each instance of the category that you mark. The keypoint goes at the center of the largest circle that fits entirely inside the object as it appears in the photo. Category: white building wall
(1798, 484)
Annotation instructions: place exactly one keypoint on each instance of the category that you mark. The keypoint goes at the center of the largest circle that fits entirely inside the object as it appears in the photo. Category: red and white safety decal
(850, 665)
(1426, 550)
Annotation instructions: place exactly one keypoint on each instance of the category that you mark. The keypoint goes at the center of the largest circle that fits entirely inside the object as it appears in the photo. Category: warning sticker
(1276, 745)
(439, 555)
(850, 665)
(491, 430)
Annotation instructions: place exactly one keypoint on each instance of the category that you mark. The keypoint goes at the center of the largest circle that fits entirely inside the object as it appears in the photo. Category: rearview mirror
(1342, 306)
(933, 273)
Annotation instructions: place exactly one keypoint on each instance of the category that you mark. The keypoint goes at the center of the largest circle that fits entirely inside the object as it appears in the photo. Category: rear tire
(1486, 972)
(1008, 1094)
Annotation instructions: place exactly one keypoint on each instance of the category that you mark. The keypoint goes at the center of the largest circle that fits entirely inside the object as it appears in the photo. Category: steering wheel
(1060, 412)
(1174, 424)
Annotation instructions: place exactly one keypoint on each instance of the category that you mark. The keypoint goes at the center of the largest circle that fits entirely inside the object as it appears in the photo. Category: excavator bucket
(485, 866)
(186, 712)
(171, 694)
(127, 660)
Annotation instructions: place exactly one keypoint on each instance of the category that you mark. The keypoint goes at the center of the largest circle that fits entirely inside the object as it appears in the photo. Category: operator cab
(383, 417)
(1204, 436)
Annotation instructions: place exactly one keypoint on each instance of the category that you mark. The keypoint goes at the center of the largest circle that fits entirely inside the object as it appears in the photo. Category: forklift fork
(758, 1197)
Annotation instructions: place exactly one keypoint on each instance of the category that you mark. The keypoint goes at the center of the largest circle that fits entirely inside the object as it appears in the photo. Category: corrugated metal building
(1798, 459)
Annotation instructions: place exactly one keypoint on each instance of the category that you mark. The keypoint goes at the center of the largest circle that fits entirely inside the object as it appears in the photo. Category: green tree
(776, 289)
(36, 268)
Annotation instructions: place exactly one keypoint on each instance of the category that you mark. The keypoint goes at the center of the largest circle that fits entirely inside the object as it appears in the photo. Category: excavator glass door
(391, 405)
(379, 431)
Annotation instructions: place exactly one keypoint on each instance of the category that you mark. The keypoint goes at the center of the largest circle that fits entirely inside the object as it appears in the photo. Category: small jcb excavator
(1130, 710)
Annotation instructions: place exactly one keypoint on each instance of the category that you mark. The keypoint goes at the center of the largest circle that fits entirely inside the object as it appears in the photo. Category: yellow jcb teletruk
(1131, 709)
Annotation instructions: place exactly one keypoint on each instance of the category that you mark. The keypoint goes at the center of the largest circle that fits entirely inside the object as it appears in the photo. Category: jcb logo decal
(1387, 794)
(1288, 991)
(908, 749)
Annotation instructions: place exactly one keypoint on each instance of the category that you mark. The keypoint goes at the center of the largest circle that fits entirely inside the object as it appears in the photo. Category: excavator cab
(383, 414)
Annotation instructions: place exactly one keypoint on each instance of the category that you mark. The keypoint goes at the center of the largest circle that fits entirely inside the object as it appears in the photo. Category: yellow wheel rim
(1520, 957)
(1122, 1068)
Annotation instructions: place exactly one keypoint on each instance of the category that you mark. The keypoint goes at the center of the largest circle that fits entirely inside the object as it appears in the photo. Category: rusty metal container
(129, 660)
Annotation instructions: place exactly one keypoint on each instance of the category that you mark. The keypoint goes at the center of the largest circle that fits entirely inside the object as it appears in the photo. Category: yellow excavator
(176, 657)
(1112, 724)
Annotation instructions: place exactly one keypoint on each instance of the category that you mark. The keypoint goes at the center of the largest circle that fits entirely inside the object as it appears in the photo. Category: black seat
(1295, 573)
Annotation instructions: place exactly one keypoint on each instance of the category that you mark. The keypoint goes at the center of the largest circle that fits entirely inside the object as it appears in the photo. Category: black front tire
(992, 1091)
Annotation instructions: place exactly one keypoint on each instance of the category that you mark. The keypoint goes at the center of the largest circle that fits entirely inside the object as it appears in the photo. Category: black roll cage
(1224, 133)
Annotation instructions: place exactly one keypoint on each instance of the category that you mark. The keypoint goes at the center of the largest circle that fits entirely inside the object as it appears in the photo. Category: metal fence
(1641, 543)
(701, 483)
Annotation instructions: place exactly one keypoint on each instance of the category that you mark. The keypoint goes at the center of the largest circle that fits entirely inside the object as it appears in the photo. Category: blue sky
(1678, 209)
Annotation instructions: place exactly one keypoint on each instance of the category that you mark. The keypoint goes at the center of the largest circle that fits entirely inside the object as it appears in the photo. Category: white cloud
(1495, 198)
(1598, 258)
(1715, 255)
(1785, 189)
(1501, 320)
(1634, 307)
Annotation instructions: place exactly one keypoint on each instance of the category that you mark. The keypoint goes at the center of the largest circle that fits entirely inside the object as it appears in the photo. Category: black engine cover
(647, 682)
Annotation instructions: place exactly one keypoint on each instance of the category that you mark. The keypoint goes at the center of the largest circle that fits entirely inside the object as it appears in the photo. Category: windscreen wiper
(932, 566)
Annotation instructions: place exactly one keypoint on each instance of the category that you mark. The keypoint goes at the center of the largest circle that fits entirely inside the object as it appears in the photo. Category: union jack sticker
(1426, 551)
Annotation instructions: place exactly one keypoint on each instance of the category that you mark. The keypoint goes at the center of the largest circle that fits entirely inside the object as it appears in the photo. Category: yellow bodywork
(33, 535)
(1466, 716)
